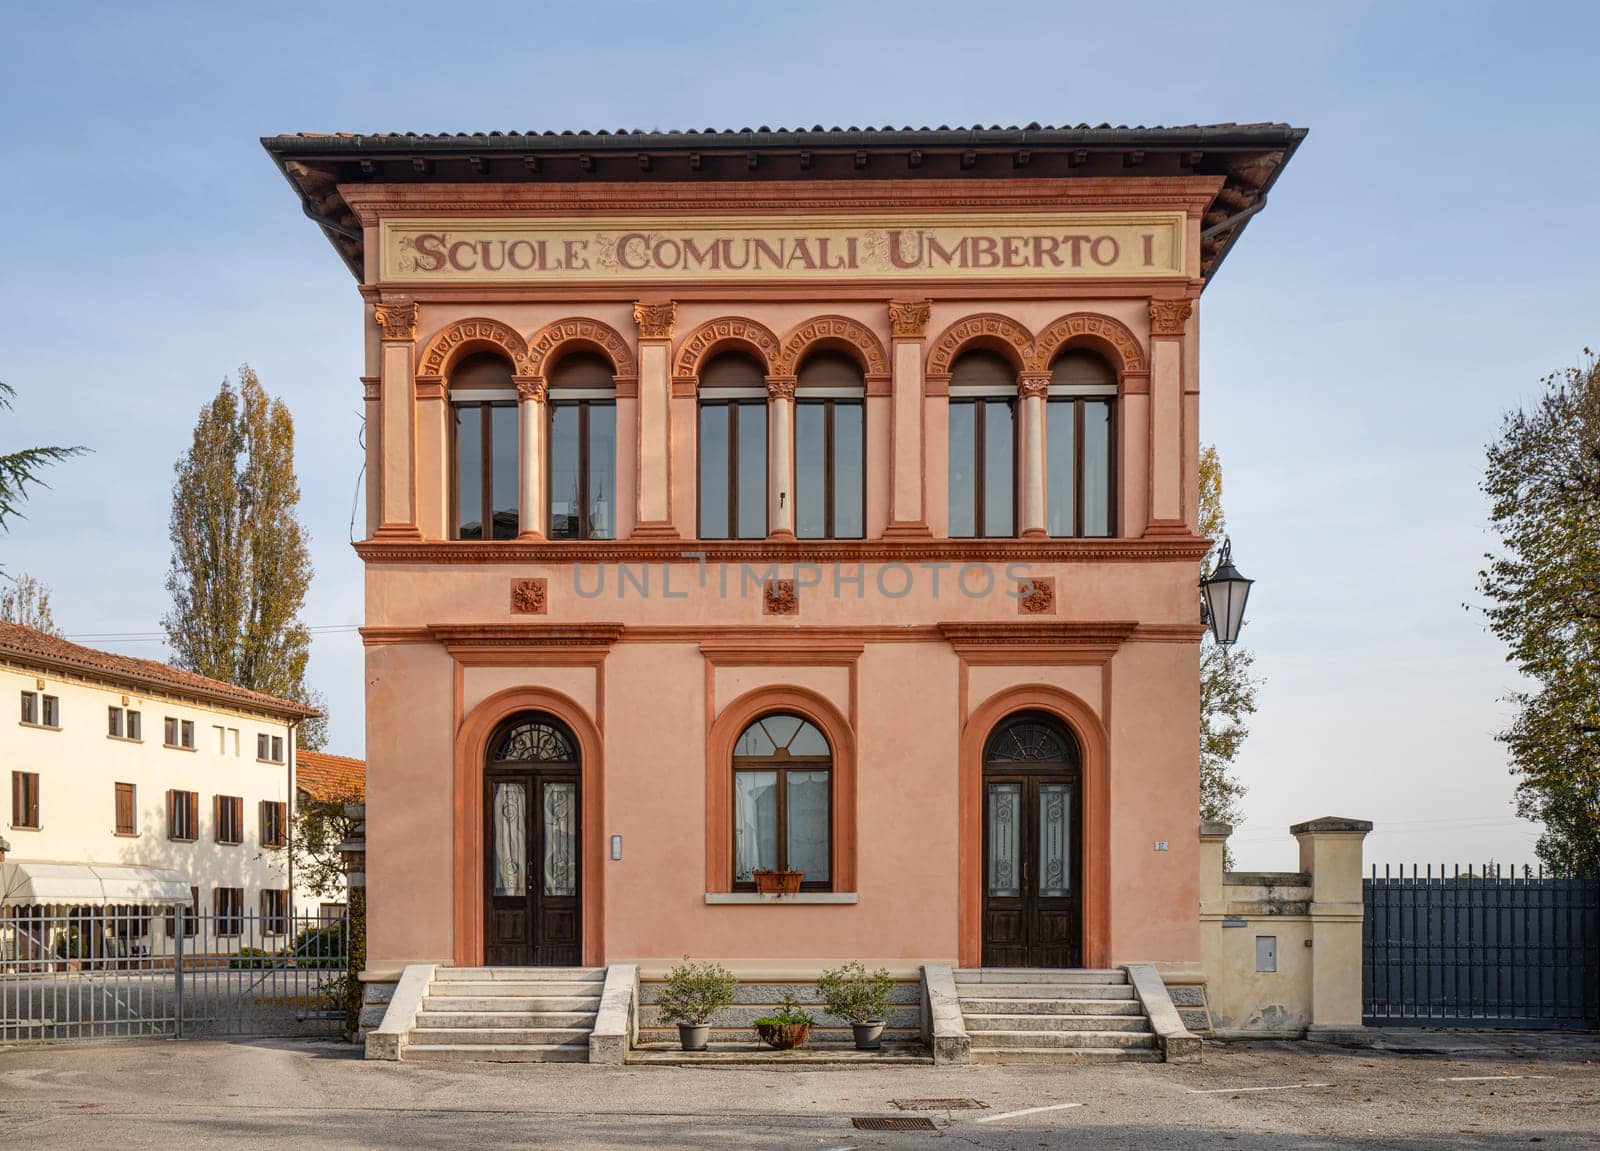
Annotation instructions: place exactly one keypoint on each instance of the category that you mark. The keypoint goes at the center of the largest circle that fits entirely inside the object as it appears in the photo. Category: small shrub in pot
(860, 997)
(692, 995)
(785, 1028)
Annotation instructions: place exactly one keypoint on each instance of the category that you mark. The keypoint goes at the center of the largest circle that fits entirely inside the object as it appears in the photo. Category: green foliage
(855, 995)
(250, 958)
(71, 944)
(320, 826)
(694, 992)
(1543, 587)
(788, 1015)
(240, 561)
(355, 960)
(27, 601)
(20, 469)
(319, 946)
(1227, 685)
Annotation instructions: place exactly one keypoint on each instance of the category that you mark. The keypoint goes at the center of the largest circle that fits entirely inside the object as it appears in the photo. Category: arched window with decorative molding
(1080, 445)
(983, 445)
(733, 448)
(582, 395)
(484, 499)
(783, 802)
(830, 448)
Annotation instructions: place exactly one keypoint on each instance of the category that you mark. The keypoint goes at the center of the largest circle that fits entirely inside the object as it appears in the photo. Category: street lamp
(1223, 595)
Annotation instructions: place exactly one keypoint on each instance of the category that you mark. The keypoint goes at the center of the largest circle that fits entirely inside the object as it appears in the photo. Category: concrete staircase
(507, 1015)
(1016, 1015)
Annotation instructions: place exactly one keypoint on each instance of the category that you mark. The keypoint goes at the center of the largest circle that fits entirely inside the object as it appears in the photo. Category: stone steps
(1040, 1016)
(507, 1015)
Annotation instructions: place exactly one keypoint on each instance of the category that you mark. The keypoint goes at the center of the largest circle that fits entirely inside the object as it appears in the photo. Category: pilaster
(1330, 850)
(1169, 324)
(654, 515)
(397, 501)
(908, 514)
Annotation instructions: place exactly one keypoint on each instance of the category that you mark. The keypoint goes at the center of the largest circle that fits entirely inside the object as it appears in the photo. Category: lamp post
(1223, 594)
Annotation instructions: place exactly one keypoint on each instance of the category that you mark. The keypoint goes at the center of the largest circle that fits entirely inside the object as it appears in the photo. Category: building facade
(134, 786)
(784, 502)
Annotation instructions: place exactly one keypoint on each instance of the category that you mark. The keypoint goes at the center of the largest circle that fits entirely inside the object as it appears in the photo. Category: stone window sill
(719, 898)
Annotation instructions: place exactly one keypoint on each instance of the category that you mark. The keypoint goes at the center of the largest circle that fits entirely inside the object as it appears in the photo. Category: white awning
(90, 885)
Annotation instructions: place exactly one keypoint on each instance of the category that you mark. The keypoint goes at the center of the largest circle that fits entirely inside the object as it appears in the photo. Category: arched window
(733, 448)
(583, 448)
(783, 802)
(533, 741)
(830, 448)
(483, 409)
(1080, 445)
(983, 445)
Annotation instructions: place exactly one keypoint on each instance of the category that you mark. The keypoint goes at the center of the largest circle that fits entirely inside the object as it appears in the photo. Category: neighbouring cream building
(133, 787)
(758, 507)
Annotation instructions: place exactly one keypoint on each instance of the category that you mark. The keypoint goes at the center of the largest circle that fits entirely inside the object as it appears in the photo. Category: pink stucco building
(784, 501)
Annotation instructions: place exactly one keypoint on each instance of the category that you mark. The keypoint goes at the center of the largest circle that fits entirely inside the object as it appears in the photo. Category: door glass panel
(1055, 835)
(510, 839)
(560, 839)
(1005, 833)
(755, 822)
(808, 824)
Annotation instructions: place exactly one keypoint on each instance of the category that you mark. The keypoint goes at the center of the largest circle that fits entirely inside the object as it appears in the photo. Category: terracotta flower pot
(778, 882)
(784, 1036)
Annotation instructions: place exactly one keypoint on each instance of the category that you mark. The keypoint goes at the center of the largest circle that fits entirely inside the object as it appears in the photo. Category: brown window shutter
(194, 814)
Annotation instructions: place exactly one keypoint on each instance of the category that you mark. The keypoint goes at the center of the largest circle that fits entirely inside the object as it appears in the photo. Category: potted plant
(771, 882)
(693, 993)
(786, 1027)
(860, 997)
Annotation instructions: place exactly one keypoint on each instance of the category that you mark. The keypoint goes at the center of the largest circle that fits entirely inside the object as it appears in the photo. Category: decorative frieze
(833, 330)
(529, 596)
(751, 334)
(480, 332)
(543, 344)
(1037, 596)
(988, 328)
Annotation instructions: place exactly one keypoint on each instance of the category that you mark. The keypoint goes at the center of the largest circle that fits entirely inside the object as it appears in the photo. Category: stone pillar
(780, 411)
(530, 461)
(654, 518)
(1031, 515)
(1213, 862)
(1330, 851)
(908, 514)
(397, 473)
(1169, 322)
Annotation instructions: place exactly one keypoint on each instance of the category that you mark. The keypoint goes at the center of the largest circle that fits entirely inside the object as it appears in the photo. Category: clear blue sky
(1430, 253)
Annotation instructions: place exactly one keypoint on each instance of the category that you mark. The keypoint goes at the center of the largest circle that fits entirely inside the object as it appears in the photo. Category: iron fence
(1485, 947)
(132, 972)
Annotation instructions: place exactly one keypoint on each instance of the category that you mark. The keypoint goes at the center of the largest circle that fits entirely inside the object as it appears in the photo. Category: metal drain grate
(937, 1104)
(893, 1123)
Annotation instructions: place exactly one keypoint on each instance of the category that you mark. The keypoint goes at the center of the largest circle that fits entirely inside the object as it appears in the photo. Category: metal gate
(1485, 948)
(129, 972)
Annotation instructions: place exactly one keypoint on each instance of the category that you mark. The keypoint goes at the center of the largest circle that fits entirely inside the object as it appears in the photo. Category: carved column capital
(908, 319)
(1169, 317)
(780, 387)
(530, 388)
(397, 320)
(655, 320)
(1033, 384)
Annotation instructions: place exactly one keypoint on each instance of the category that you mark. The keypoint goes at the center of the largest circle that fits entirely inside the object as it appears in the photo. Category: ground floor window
(783, 802)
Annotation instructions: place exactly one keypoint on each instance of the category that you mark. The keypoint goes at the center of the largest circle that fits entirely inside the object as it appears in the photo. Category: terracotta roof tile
(325, 776)
(31, 647)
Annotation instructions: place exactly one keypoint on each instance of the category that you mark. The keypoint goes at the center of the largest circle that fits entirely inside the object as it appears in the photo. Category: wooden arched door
(1032, 845)
(532, 900)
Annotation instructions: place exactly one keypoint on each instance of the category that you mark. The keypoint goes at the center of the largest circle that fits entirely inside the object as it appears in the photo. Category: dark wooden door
(1032, 910)
(532, 897)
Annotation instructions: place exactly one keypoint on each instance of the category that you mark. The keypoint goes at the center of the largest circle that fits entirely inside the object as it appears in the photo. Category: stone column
(654, 518)
(397, 474)
(1169, 324)
(530, 462)
(1031, 515)
(908, 514)
(1330, 851)
(780, 412)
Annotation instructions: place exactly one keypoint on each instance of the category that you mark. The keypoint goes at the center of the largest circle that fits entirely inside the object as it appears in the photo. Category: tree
(1227, 687)
(240, 560)
(1543, 482)
(21, 468)
(27, 601)
(320, 826)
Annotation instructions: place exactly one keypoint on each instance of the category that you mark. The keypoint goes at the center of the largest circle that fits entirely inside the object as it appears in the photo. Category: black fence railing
(1480, 947)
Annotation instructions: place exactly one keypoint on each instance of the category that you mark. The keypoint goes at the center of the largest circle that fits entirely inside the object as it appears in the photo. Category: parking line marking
(1487, 1078)
(1025, 1111)
(1238, 1090)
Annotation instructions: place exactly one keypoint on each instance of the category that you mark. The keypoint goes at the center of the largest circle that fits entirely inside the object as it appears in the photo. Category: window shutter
(194, 814)
(171, 814)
